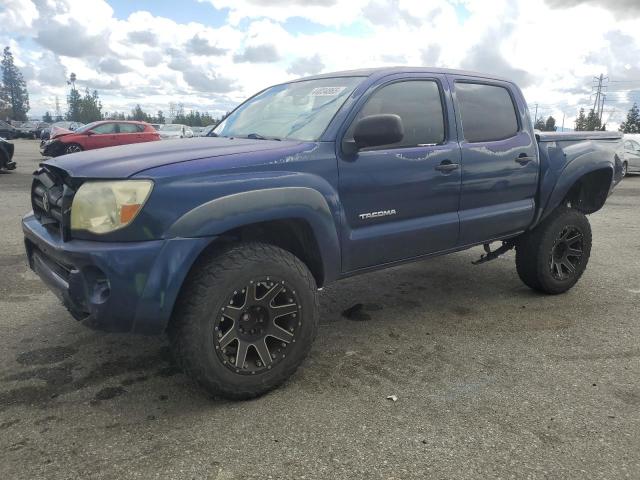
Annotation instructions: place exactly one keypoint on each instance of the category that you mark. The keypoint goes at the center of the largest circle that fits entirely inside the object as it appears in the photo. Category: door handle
(446, 166)
(524, 159)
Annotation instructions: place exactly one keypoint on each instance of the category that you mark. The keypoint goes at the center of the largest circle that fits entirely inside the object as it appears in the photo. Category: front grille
(51, 200)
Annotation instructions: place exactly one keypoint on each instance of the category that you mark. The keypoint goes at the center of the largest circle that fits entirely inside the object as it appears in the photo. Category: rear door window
(128, 128)
(487, 112)
(105, 128)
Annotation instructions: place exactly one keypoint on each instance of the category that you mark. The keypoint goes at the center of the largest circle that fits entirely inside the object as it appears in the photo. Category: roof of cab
(384, 71)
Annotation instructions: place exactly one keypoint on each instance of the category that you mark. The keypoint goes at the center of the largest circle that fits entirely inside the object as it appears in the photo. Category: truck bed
(577, 136)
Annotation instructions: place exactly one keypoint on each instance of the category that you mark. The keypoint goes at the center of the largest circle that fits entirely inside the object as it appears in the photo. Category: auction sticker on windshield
(326, 91)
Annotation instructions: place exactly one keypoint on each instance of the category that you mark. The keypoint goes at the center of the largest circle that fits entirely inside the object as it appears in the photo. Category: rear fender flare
(568, 177)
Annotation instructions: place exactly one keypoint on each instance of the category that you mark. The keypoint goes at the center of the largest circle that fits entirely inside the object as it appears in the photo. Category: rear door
(499, 159)
(129, 133)
(398, 199)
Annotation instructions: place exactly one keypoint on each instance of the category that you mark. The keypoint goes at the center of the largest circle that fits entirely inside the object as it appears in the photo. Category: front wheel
(72, 148)
(245, 320)
(625, 169)
(553, 256)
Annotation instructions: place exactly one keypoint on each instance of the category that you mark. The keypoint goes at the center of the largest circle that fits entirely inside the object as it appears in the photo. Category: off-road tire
(204, 295)
(535, 250)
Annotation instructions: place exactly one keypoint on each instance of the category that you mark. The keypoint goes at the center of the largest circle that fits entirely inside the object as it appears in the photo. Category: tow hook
(493, 254)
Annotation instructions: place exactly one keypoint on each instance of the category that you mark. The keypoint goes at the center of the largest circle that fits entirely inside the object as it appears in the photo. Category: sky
(212, 54)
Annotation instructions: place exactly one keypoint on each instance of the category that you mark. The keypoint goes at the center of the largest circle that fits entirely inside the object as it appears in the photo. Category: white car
(175, 130)
(631, 162)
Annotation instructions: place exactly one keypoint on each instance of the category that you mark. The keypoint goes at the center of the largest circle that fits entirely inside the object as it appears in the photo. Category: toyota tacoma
(223, 242)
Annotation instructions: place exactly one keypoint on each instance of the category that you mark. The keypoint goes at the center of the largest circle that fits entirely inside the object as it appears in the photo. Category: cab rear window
(487, 112)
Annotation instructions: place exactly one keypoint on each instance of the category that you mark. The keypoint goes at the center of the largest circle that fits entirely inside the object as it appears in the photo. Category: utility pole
(598, 104)
(562, 122)
(535, 116)
(604, 96)
(58, 111)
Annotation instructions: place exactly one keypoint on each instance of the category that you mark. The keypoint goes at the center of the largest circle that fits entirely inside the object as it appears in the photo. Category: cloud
(622, 8)
(152, 58)
(51, 71)
(57, 37)
(113, 65)
(143, 36)
(102, 84)
(485, 57)
(205, 82)
(306, 66)
(431, 55)
(266, 53)
(388, 12)
(201, 46)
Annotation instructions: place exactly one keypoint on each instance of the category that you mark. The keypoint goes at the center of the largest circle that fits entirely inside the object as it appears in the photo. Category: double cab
(223, 242)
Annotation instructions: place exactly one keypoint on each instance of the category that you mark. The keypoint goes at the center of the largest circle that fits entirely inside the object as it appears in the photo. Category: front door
(499, 160)
(401, 200)
(104, 135)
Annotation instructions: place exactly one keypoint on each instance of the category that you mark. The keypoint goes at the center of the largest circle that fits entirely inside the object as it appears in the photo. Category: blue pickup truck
(223, 242)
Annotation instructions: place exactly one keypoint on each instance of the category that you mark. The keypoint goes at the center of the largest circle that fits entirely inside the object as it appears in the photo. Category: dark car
(32, 129)
(6, 155)
(224, 242)
(8, 131)
(106, 133)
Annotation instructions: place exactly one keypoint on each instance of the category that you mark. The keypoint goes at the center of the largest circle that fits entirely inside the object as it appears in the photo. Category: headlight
(102, 207)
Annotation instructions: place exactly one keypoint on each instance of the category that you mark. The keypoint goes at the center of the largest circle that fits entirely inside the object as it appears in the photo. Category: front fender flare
(255, 206)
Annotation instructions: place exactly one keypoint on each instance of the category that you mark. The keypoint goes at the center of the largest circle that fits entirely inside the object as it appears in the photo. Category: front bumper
(116, 287)
(51, 148)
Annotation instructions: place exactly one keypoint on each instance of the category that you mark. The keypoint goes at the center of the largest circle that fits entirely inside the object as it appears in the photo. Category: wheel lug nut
(258, 363)
(291, 329)
(284, 345)
(232, 360)
(273, 355)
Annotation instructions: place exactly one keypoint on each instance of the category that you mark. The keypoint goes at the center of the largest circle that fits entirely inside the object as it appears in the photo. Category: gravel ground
(492, 379)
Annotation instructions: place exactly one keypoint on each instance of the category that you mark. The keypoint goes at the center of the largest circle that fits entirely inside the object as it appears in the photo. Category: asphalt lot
(492, 380)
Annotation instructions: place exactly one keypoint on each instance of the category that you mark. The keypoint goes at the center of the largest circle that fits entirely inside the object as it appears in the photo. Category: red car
(105, 133)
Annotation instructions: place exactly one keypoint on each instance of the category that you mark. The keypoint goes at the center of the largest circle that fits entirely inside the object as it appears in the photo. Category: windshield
(171, 128)
(298, 110)
(87, 127)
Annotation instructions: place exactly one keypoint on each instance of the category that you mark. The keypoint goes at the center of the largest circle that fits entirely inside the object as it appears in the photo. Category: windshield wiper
(257, 136)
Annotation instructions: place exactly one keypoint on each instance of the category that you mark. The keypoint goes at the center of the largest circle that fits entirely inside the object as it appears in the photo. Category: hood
(127, 160)
(58, 132)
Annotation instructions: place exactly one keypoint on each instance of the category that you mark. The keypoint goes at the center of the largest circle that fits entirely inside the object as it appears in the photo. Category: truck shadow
(407, 312)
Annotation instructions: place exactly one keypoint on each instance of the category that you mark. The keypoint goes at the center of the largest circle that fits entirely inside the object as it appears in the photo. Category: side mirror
(375, 130)
(90, 132)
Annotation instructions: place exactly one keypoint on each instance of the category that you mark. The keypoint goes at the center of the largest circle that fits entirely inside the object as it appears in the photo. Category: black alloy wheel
(72, 148)
(566, 254)
(256, 325)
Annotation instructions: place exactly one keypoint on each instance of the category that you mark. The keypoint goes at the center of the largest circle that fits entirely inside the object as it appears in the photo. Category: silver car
(631, 162)
(174, 130)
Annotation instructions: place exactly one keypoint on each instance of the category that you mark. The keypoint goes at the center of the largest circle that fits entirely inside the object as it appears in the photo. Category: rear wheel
(245, 320)
(72, 148)
(552, 257)
(625, 169)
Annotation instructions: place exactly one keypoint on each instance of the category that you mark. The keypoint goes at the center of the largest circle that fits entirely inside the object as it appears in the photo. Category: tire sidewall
(296, 352)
